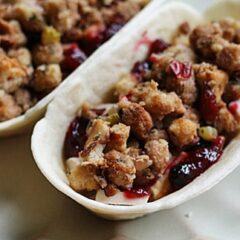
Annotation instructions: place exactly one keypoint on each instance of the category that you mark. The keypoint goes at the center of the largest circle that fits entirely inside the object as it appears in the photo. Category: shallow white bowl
(93, 85)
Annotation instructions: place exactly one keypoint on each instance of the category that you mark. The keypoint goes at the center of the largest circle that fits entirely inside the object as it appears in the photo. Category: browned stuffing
(170, 111)
(43, 41)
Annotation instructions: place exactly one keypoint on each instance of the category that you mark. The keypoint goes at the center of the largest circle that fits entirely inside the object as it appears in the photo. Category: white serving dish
(48, 136)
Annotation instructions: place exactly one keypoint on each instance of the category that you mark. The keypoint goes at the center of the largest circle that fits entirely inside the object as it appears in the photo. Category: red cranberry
(136, 193)
(116, 23)
(208, 105)
(141, 187)
(158, 46)
(186, 70)
(112, 30)
(234, 107)
(140, 68)
(153, 58)
(176, 67)
(175, 161)
(197, 162)
(73, 57)
(181, 70)
(143, 181)
(92, 39)
(75, 137)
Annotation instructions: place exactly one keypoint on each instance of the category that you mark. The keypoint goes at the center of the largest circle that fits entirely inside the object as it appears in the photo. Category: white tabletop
(30, 208)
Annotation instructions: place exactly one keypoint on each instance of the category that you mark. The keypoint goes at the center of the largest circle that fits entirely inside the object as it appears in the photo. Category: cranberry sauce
(208, 105)
(96, 35)
(195, 163)
(140, 68)
(158, 46)
(73, 57)
(75, 137)
(136, 193)
(175, 161)
(141, 187)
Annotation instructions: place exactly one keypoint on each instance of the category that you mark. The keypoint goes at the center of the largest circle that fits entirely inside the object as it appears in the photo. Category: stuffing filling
(43, 41)
(170, 120)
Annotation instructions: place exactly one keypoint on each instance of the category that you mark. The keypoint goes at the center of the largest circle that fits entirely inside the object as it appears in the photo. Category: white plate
(30, 208)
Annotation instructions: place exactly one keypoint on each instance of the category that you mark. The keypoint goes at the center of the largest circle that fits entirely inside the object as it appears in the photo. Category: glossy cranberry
(73, 57)
(157, 46)
(175, 161)
(136, 193)
(116, 23)
(186, 70)
(113, 29)
(140, 68)
(208, 105)
(197, 162)
(75, 137)
(181, 70)
(234, 107)
(141, 187)
(176, 67)
(144, 181)
(93, 37)
(153, 58)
